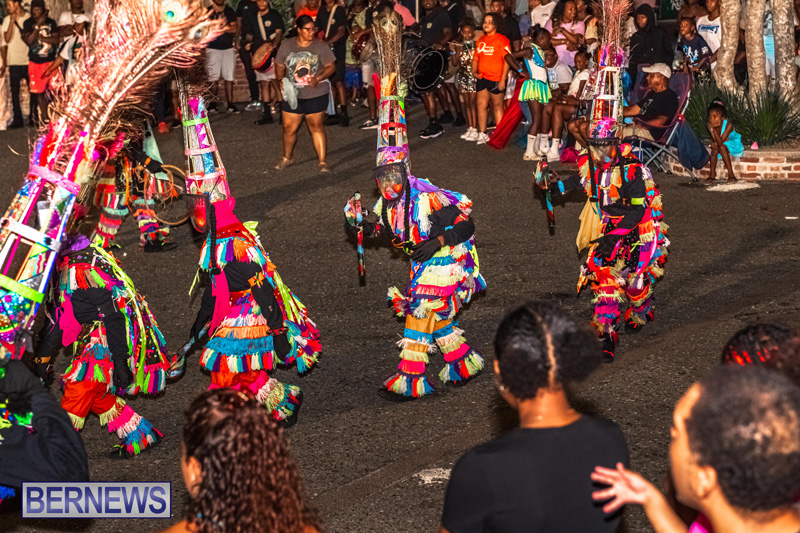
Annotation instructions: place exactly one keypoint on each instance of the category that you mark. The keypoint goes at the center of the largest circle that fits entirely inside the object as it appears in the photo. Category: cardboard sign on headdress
(392, 131)
(608, 103)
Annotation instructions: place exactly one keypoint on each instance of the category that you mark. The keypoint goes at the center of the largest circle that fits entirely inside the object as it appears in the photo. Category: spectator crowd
(500, 57)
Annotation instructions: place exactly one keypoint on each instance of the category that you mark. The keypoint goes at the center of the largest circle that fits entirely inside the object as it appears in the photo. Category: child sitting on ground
(725, 141)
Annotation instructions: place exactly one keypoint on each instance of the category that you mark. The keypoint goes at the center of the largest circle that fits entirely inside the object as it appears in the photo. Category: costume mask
(392, 181)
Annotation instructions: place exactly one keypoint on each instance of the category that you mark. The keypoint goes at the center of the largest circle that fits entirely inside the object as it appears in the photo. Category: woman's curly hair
(558, 12)
(249, 480)
(539, 346)
(769, 345)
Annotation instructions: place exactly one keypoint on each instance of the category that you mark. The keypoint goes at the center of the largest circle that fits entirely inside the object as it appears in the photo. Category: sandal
(284, 163)
(323, 167)
(708, 182)
(732, 180)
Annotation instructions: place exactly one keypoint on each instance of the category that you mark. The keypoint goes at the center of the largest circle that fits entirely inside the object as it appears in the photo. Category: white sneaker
(482, 138)
(473, 136)
(553, 155)
(544, 144)
(532, 153)
(467, 133)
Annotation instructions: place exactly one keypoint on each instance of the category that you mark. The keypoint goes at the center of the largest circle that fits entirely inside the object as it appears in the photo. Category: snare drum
(360, 46)
(425, 66)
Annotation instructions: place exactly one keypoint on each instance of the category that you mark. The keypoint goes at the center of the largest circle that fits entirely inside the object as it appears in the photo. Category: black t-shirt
(271, 22)
(434, 24)
(224, 41)
(695, 49)
(339, 21)
(535, 480)
(509, 28)
(456, 13)
(663, 104)
(40, 51)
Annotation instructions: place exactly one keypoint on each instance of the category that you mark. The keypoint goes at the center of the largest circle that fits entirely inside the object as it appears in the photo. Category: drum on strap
(425, 66)
(263, 57)
(364, 47)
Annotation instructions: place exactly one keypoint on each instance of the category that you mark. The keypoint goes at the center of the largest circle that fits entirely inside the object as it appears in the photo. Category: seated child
(725, 141)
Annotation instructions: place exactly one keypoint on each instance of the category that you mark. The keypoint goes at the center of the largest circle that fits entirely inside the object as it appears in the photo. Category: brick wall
(769, 164)
(240, 91)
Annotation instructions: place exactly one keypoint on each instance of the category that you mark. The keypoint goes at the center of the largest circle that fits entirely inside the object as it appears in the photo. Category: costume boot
(609, 347)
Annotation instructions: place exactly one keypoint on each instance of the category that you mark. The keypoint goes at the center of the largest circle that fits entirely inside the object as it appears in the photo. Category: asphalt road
(373, 466)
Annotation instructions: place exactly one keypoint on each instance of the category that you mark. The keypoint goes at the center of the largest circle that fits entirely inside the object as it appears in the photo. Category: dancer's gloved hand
(123, 377)
(17, 379)
(43, 370)
(426, 249)
(605, 245)
(281, 345)
(153, 166)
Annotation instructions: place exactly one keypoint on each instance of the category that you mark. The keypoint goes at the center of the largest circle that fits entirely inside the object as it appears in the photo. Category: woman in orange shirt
(491, 70)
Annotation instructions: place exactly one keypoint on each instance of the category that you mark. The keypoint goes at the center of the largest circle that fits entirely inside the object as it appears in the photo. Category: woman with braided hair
(539, 351)
(238, 470)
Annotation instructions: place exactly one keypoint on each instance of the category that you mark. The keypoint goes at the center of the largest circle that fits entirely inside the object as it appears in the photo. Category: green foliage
(697, 110)
(771, 118)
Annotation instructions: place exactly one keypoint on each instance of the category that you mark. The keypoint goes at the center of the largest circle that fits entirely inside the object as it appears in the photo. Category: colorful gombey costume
(624, 217)
(249, 305)
(439, 286)
(94, 304)
(433, 226)
(254, 320)
(128, 183)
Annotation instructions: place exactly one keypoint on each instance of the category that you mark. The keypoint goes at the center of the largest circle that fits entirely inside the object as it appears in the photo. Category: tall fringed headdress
(392, 131)
(131, 46)
(608, 103)
(205, 173)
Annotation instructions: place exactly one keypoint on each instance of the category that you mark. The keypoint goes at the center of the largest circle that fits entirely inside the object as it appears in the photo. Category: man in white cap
(658, 107)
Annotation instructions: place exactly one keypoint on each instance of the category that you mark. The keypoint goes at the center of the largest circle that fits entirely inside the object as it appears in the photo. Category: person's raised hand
(624, 487)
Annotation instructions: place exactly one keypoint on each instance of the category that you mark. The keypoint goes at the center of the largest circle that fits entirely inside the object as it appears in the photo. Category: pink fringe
(123, 418)
(412, 367)
(457, 353)
(433, 290)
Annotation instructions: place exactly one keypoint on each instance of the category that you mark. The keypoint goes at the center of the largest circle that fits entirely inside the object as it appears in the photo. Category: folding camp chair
(653, 151)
